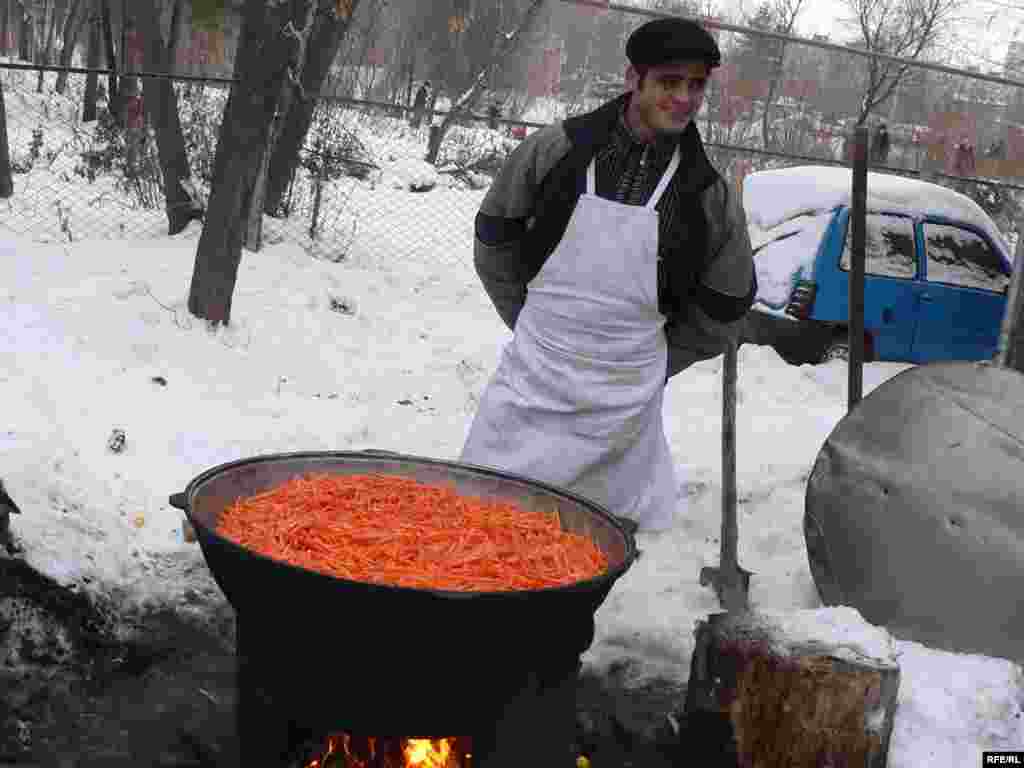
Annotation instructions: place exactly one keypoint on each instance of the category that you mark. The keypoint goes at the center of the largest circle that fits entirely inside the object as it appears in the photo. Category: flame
(345, 751)
(427, 753)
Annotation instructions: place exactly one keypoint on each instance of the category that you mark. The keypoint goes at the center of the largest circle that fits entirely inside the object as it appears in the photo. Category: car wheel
(838, 349)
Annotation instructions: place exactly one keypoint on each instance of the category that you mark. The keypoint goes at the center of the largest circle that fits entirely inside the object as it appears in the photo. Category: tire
(837, 349)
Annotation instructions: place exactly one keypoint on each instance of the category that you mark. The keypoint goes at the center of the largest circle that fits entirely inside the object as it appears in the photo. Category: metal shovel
(731, 582)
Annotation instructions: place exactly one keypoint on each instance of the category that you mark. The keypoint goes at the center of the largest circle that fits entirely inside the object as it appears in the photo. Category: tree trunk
(5, 26)
(328, 33)
(161, 103)
(72, 28)
(25, 42)
(93, 63)
(42, 40)
(254, 227)
(113, 97)
(260, 70)
(128, 88)
(776, 702)
(6, 179)
(507, 45)
(50, 26)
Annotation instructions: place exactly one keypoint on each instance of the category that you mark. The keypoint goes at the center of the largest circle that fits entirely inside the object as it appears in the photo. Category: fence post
(321, 176)
(855, 301)
(1010, 338)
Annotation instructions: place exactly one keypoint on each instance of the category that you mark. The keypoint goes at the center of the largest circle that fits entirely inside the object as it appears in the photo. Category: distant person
(419, 105)
(996, 150)
(963, 157)
(880, 146)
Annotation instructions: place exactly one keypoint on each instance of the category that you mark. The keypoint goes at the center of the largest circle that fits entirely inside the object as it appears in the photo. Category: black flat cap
(664, 41)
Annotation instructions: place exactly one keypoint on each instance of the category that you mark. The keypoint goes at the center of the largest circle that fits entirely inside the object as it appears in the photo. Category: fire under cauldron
(319, 656)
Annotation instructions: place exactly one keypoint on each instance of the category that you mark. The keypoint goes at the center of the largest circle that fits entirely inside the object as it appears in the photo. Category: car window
(957, 256)
(889, 248)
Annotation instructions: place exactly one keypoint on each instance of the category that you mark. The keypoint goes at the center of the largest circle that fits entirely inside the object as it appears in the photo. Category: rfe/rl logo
(1002, 758)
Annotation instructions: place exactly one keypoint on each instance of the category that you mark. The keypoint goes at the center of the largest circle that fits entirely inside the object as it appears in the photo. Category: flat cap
(664, 41)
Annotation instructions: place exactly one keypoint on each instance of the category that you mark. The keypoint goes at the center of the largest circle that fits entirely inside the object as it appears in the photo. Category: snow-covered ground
(321, 356)
(390, 347)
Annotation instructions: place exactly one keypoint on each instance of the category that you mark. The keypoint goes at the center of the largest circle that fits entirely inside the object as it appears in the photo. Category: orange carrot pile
(392, 530)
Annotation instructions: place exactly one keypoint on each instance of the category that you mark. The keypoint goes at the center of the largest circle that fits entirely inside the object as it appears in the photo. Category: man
(619, 257)
(419, 105)
(880, 150)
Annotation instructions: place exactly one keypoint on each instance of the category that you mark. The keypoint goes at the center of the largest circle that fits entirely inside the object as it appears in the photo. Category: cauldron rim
(206, 534)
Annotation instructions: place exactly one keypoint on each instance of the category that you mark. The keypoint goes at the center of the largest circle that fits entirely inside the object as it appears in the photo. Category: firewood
(788, 702)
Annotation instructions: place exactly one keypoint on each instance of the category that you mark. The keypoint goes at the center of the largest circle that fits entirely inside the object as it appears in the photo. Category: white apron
(577, 398)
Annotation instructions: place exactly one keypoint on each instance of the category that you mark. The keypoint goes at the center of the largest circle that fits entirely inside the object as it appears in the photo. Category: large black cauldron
(394, 660)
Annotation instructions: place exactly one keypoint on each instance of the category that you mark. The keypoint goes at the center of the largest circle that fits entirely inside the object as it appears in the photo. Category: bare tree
(908, 29)
(5, 25)
(73, 23)
(107, 26)
(161, 105)
(504, 46)
(6, 179)
(51, 18)
(330, 28)
(26, 44)
(41, 55)
(266, 55)
(95, 56)
(786, 13)
(254, 228)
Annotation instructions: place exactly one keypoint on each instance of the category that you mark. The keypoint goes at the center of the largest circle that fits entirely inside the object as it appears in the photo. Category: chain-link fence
(362, 191)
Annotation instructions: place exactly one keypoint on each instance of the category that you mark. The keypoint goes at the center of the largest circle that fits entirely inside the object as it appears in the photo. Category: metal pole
(730, 581)
(858, 221)
(1010, 333)
(730, 528)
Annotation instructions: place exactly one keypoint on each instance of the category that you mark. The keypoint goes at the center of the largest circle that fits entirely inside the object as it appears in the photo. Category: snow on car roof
(773, 197)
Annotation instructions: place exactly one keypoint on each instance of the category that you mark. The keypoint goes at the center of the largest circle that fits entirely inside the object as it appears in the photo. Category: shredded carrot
(392, 530)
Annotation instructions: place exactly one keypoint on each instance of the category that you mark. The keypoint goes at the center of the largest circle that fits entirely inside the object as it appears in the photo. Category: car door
(962, 299)
(890, 269)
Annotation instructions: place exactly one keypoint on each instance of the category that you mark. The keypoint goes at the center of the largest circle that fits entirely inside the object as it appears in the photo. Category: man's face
(670, 96)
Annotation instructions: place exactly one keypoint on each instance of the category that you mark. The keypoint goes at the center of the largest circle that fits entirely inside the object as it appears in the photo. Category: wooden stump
(776, 703)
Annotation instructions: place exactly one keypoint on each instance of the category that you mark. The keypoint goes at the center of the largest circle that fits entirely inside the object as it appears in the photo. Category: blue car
(936, 275)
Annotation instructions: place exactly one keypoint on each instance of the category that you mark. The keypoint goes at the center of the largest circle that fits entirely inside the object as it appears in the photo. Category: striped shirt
(627, 169)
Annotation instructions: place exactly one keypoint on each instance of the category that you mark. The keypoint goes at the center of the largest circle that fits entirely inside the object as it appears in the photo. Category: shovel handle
(729, 525)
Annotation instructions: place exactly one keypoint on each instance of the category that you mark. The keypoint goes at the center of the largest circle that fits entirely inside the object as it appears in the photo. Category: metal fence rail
(363, 193)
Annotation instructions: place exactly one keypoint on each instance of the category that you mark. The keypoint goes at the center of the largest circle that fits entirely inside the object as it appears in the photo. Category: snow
(950, 251)
(889, 247)
(789, 250)
(391, 348)
(413, 175)
(840, 629)
(772, 197)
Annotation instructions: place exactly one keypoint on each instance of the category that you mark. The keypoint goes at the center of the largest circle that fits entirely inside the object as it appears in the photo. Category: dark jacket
(706, 280)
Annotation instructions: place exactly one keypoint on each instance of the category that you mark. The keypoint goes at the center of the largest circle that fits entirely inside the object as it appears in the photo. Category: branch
(506, 44)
